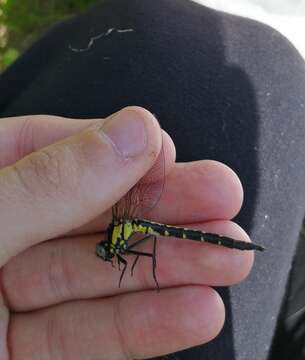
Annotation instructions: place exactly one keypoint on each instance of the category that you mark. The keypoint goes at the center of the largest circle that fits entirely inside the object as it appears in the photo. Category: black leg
(139, 253)
(153, 256)
(133, 265)
(154, 260)
(122, 260)
(145, 238)
(132, 246)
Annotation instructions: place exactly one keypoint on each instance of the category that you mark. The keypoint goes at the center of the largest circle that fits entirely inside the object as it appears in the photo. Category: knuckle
(46, 167)
(58, 275)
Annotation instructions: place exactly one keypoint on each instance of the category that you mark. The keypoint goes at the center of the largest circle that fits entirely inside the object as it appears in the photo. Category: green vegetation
(22, 21)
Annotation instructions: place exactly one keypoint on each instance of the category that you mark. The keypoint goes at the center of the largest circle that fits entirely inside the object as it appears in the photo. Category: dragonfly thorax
(118, 233)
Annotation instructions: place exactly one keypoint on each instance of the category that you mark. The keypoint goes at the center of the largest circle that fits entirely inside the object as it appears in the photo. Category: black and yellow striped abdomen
(125, 228)
(121, 230)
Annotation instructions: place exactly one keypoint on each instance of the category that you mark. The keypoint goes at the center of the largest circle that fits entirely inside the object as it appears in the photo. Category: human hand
(58, 300)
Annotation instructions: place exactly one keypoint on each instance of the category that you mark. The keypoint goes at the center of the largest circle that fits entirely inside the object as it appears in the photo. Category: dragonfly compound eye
(103, 251)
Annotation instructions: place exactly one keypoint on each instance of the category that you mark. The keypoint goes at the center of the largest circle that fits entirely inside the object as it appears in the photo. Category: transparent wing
(145, 195)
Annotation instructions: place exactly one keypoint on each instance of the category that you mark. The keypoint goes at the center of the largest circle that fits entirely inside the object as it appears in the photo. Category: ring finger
(130, 326)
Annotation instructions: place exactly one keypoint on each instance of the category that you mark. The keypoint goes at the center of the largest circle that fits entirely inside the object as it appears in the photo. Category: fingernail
(127, 132)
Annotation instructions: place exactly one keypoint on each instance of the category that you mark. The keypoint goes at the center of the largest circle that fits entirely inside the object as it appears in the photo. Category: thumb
(66, 184)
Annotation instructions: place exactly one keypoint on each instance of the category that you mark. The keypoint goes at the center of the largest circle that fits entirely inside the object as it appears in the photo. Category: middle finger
(68, 269)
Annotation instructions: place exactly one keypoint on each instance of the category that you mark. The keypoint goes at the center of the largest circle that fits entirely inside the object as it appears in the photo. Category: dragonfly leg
(153, 256)
(145, 238)
(134, 264)
(130, 247)
(154, 260)
(123, 261)
(135, 244)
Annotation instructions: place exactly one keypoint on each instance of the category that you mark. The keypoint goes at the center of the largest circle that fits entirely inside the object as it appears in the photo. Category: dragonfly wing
(145, 194)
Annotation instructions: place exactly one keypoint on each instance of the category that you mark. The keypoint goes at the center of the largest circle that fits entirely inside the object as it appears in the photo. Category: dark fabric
(289, 341)
(224, 88)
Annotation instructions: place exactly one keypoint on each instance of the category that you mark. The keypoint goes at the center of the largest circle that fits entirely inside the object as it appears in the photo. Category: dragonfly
(128, 229)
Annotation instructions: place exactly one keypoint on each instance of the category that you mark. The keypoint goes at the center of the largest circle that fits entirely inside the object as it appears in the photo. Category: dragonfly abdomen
(197, 235)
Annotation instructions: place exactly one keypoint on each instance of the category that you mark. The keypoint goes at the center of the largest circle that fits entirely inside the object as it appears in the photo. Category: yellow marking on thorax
(116, 234)
(128, 230)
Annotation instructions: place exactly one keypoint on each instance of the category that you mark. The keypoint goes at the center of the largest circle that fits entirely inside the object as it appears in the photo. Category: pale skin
(58, 300)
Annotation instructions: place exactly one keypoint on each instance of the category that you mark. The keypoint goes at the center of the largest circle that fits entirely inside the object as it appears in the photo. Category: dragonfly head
(103, 250)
